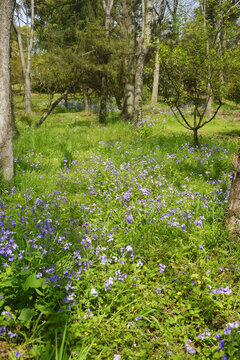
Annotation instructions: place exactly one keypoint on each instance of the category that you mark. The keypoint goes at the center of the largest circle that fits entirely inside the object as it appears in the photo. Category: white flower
(94, 292)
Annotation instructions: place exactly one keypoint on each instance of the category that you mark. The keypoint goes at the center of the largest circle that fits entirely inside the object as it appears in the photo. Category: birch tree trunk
(143, 46)
(156, 76)
(6, 153)
(26, 67)
(107, 7)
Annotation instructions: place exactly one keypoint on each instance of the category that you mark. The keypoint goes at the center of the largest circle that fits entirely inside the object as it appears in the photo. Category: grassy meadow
(113, 242)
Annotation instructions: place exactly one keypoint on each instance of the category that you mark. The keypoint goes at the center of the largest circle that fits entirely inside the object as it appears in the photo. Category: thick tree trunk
(6, 153)
(156, 76)
(137, 116)
(51, 107)
(233, 212)
(128, 104)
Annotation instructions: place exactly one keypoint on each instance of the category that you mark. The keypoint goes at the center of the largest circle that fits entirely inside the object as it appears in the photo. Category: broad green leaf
(33, 282)
(26, 314)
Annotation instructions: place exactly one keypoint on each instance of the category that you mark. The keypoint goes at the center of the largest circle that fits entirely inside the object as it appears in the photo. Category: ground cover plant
(113, 243)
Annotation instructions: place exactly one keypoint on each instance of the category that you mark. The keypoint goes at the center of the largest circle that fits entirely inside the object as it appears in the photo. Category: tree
(185, 77)
(107, 7)
(129, 31)
(22, 6)
(81, 50)
(143, 44)
(6, 152)
(159, 10)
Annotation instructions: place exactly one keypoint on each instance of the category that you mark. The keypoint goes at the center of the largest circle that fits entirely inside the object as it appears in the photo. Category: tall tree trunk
(137, 116)
(156, 76)
(6, 152)
(233, 212)
(129, 33)
(128, 104)
(143, 46)
(26, 67)
(28, 102)
(159, 11)
(107, 7)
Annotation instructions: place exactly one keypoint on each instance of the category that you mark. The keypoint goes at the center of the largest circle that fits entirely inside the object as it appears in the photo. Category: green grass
(128, 227)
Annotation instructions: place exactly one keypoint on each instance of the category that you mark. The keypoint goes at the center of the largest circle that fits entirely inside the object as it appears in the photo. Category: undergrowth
(113, 244)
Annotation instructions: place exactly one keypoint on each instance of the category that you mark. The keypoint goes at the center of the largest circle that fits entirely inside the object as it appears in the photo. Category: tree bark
(195, 135)
(26, 67)
(143, 46)
(15, 131)
(129, 32)
(137, 115)
(233, 209)
(107, 7)
(6, 152)
(156, 76)
(51, 108)
(85, 100)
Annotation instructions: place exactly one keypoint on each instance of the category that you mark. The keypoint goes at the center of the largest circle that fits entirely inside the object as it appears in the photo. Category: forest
(119, 179)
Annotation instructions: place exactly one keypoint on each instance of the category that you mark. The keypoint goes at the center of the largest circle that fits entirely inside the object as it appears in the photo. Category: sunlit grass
(119, 240)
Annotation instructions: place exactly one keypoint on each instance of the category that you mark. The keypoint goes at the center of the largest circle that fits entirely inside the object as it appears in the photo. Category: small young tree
(185, 77)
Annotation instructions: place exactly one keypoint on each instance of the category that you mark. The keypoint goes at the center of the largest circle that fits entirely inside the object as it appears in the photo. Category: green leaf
(26, 314)
(39, 292)
(33, 282)
(7, 283)
(9, 270)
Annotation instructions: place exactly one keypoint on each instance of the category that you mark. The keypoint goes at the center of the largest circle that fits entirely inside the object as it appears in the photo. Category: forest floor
(113, 239)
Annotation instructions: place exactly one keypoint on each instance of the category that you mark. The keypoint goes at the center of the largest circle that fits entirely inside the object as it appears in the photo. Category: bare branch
(52, 106)
(183, 117)
(208, 121)
(179, 121)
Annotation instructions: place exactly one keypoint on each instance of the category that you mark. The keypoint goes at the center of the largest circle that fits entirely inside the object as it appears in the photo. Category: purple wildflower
(221, 344)
(190, 349)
